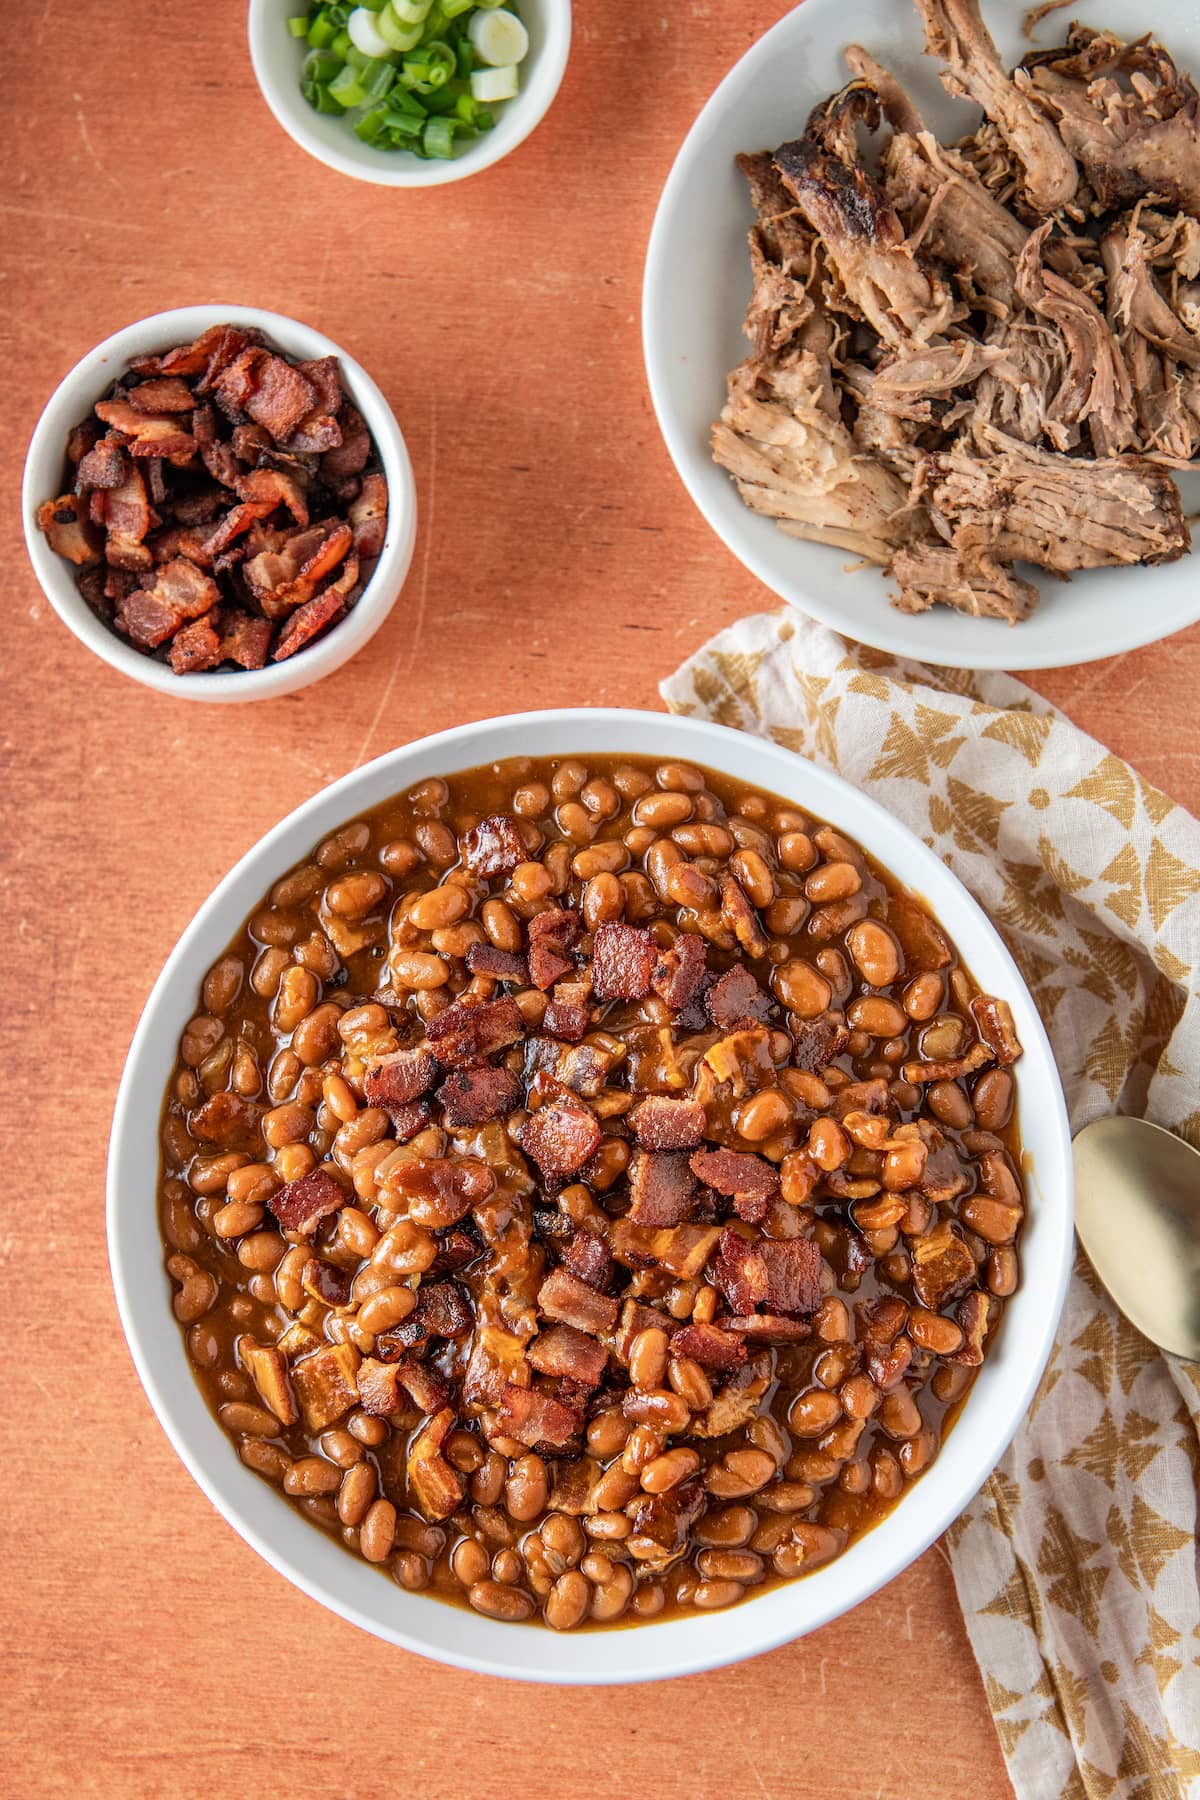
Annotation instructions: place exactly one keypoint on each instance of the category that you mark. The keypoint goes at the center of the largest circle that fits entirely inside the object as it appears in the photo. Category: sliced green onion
(490, 85)
(403, 128)
(402, 102)
(298, 27)
(377, 78)
(342, 44)
(397, 35)
(453, 8)
(321, 32)
(319, 98)
(321, 65)
(365, 34)
(346, 87)
(428, 68)
(372, 126)
(499, 37)
(436, 26)
(438, 139)
(412, 12)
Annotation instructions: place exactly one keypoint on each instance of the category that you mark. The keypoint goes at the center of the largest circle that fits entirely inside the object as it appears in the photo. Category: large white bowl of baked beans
(590, 1169)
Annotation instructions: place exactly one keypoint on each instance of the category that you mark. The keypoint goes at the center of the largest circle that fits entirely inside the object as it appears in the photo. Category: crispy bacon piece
(736, 996)
(667, 1519)
(472, 1096)
(501, 965)
(816, 1042)
(236, 522)
(783, 1277)
(307, 620)
(162, 394)
(281, 579)
(223, 1118)
(446, 1188)
(770, 1328)
(401, 1076)
(551, 935)
(124, 511)
(751, 1181)
(274, 393)
(104, 465)
(636, 1318)
(994, 1022)
(181, 591)
(683, 1249)
(443, 1310)
(410, 1118)
(378, 1387)
(349, 456)
(368, 515)
(326, 379)
(436, 1487)
(149, 434)
(624, 958)
(661, 1185)
(942, 1265)
(564, 1297)
(660, 1123)
(563, 1350)
(304, 1203)
(463, 1034)
(329, 1285)
(710, 1346)
(267, 1368)
(741, 918)
(270, 488)
(567, 1014)
(326, 1384)
(536, 1419)
(680, 971)
(494, 846)
(245, 639)
(589, 1258)
(69, 530)
(560, 1136)
(426, 1387)
(972, 1313)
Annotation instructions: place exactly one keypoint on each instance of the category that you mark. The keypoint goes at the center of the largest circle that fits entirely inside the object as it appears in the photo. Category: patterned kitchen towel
(1076, 1563)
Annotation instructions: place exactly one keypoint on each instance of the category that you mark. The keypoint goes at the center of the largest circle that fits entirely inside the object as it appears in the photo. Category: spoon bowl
(1137, 1212)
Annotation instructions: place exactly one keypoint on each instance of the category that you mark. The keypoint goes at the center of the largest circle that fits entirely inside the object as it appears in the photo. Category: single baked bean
(222, 984)
(917, 1452)
(669, 1469)
(710, 1595)
(287, 1124)
(648, 1358)
(801, 988)
(266, 1459)
(356, 895)
(377, 1532)
(899, 1414)
(245, 1419)
(702, 840)
(662, 810)
(508, 1566)
(859, 1396)
(924, 995)
(688, 887)
(369, 1431)
(419, 970)
(730, 1565)
(531, 800)
(878, 1017)
(1002, 1272)
(796, 852)
(738, 1473)
(496, 1601)
(197, 1292)
(992, 1097)
(298, 993)
(564, 1540)
(261, 1252)
(995, 1222)
(828, 1145)
(567, 1602)
(470, 1562)
(904, 1165)
(930, 1331)
(237, 1218)
(312, 1475)
(756, 878)
(832, 881)
(689, 1380)
(487, 1483)
(440, 907)
(608, 1433)
(812, 1413)
(875, 951)
(949, 1105)
(811, 1546)
(437, 841)
(603, 900)
(611, 1593)
(764, 1115)
(766, 1433)
(601, 859)
(410, 1570)
(386, 1308)
(614, 1489)
(526, 1489)
(725, 1527)
(200, 1038)
(648, 1600)
(367, 1127)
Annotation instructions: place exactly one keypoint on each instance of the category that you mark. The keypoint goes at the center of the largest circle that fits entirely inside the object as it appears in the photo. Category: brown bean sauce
(436, 1349)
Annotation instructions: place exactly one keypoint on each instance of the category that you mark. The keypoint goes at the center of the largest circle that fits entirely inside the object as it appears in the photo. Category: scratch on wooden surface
(91, 149)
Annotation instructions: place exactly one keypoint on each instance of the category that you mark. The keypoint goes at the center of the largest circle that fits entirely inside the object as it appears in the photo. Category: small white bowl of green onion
(409, 93)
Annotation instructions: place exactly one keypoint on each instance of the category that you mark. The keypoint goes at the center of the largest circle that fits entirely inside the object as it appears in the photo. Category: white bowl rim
(73, 398)
(996, 646)
(677, 1647)
(359, 161)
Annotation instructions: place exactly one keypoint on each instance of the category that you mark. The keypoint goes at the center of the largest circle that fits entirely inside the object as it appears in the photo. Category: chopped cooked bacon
(661, 1185)
(235, 524)
(162, 394)
(636, 1318)
(197, 646)
(273, 392)
(326, 1384)
(735, 996)
(378, 1387)
(426, 1387)
(567, 1014)
(565, 1297)
(624, 959)
(271, 488)
(69, 530)
(972, 1313)
(124, 511)
(437, 1487)
(302, 1204)
(563, 1350)
(683, 1249)
(537, 1420)
(551, 935)
(494, 846)
(181, 591)
(742, 919)
(245, 639)
(288, 577)
(679, 972)
(785, 1277)
(223, 1118)
(463, 1034)
(560, 1136)
(205, 358)
(368, 515)
(401, 1076)
(443, 1310)
(267, 1368)
(589, 1258)
(349, 456)
(880, 1320)
(770, 1328)
(149, 434)
(472, 1096)
(329, 1285)
(710, 1346)
(752, 1182)
(994, 1021)
(104, 465)
(816, 1042)
(501, 965)
(660, 1123)
(447, 1188)
(307, 620)
(942, 1265)
(667, 1519)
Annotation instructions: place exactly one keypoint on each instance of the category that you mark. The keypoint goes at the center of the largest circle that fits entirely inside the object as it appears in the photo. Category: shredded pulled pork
(191, 491)
(974, 355)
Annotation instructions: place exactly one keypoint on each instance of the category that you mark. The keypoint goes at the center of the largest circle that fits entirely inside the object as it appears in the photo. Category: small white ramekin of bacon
(219, 502)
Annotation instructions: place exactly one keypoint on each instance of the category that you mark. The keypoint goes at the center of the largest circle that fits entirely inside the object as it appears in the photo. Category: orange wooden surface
(145, 1649)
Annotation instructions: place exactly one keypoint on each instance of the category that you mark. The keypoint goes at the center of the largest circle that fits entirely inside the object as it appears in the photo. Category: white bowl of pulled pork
(218, 501)
(922, 323)
(589, 1170)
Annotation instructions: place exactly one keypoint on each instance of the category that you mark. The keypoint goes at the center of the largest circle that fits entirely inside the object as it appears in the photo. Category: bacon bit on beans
(771, 1328)
(589, 1258)
(567, 1013)
(784, 1277)
(560, 1137)
(304, 1203)
(752, 1182)
(551, 935)
(564, 1297)
(660, 1123)
(666, 1519)
(401, 1076)
(536, 1419)
(472, 1096)
(494, 846)
(736, 996)
(426, 1387)
(441, 1190)
(502, 965)
(680, 971)
(443, 1310)
(467, 1034)
(624, 959)
(661, 1184)
(710, 1346)
(437, 1487)
(564, 1350)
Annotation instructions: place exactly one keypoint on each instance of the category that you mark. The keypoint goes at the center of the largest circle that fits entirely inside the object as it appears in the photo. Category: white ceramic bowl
(349, 1586)
(73, 400)
(697, 283)
(278, 60)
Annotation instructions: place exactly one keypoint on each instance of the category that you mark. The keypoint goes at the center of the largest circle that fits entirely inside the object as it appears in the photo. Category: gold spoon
(1137, 1211)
